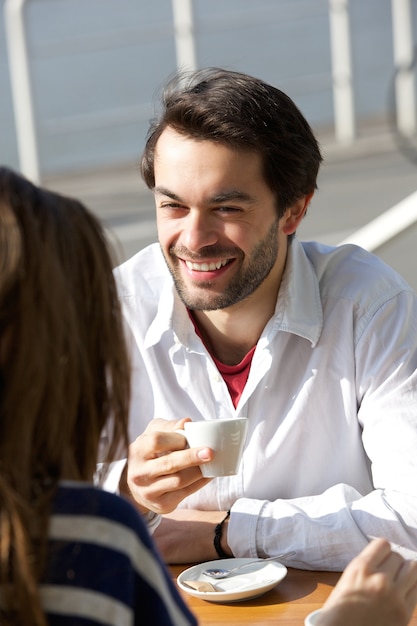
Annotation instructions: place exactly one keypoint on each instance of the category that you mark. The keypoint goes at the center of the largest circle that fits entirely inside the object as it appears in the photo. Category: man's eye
(171, 205)
(229, 209)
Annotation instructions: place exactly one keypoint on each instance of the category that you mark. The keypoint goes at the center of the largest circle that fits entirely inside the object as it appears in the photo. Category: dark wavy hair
(244, 113)
(64, 371)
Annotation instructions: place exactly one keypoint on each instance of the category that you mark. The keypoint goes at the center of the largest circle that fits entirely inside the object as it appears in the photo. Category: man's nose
(198, 231)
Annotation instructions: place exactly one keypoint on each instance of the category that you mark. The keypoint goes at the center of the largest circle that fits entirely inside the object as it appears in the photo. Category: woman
(68, 551)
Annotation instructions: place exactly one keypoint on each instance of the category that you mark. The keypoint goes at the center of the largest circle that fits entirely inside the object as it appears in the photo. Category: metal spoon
(218, 572)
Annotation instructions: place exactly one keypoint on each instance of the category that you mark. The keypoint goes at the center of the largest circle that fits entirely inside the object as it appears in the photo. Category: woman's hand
(378, 588)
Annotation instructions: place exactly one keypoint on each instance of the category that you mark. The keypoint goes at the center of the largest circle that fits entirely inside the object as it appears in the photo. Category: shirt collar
(298, 310)
(171, 315)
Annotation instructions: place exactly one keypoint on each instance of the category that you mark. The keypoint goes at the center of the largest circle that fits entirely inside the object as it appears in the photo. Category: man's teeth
(206, 267)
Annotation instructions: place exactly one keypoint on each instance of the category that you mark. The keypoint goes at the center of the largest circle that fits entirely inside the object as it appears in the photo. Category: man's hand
(186, 536)
(161, 470)
(377, 587)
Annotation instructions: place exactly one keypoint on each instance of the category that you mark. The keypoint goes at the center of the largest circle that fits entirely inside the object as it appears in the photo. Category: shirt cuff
(241, 532)
(111, 482)
(152, 521)
(112, 476)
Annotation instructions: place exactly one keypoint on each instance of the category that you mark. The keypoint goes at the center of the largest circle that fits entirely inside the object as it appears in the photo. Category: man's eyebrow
(163, 191)
(232, 194)
(218, 198)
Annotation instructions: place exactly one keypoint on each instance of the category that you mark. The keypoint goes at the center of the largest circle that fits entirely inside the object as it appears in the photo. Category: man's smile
(206, 266)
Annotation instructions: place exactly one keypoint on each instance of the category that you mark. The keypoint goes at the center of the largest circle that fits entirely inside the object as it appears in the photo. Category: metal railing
(22, 92)
(184, 33)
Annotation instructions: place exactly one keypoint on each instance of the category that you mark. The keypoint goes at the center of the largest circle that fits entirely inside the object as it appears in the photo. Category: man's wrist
(124, 490)
(220, 538)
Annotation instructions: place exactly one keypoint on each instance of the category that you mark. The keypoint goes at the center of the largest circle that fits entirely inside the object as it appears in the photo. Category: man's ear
(294, 214)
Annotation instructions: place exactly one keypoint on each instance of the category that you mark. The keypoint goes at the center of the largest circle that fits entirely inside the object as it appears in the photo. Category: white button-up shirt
(331, 452)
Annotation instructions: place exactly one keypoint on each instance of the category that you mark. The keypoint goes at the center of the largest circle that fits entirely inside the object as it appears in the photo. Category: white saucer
(251, 582)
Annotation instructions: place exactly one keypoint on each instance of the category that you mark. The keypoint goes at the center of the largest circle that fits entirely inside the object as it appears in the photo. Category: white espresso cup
(225, 437)
(312, 618)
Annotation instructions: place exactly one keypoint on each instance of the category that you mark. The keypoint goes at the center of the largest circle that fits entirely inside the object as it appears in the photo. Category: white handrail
(22, 93)
(386, 226)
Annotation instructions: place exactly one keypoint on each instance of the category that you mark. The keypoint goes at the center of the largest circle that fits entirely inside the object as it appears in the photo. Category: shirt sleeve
(112, 475)
(326, 530)
(111, 483)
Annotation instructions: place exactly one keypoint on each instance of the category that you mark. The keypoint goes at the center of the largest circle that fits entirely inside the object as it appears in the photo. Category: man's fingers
(151, 445)
(162, 482)
(159, 424)
(177, 463)
(162, 470)
(164, 494)
(168, 463)
(160, 438)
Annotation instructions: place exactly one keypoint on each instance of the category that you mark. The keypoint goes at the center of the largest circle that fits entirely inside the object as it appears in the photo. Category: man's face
(217, 221)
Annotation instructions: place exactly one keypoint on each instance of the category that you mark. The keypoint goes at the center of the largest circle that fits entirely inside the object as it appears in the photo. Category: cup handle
(182, 432)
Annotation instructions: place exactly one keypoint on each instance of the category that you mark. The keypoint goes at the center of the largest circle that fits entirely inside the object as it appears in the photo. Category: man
(231, 315)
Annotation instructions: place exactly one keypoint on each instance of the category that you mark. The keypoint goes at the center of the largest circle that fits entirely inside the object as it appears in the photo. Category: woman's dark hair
(243, 113)
(64, 372)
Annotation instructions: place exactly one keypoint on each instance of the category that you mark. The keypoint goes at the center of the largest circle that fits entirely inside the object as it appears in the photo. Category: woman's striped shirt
(103, 568)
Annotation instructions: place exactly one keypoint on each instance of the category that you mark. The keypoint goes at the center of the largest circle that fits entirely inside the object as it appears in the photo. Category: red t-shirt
(235, 376)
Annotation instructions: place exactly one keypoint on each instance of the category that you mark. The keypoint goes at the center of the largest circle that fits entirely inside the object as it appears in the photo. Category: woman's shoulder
(74, 500)
(102, 541)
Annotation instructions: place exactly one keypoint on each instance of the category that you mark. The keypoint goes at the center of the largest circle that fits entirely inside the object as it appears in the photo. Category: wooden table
(300, 593)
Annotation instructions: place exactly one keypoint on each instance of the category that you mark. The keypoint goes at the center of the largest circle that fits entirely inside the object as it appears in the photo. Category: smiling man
(219, 233)
(231, 315)
(222, 238)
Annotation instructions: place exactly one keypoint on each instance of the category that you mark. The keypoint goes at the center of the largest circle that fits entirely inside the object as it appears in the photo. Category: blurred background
(79, 80)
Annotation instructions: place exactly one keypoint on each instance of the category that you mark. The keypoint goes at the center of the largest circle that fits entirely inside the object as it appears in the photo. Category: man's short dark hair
(243, 113)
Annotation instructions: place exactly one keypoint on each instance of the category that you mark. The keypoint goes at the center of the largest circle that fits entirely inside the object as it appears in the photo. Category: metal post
(344, 113)
(184, 33)
(21, 88)
(403, 58)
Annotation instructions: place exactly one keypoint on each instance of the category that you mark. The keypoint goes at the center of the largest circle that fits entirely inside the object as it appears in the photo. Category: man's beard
(244, 282)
